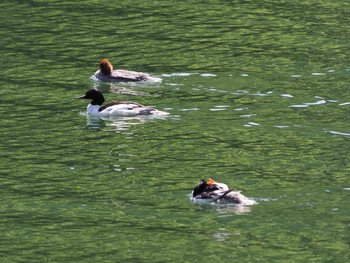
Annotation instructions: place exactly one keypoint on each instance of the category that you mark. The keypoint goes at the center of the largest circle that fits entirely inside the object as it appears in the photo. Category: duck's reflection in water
(228, 208)
(234, 208)
(118, 124)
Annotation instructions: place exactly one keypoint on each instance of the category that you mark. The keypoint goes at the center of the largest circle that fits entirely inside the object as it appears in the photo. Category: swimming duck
(115, 108)
(213, 192)
(107, 73)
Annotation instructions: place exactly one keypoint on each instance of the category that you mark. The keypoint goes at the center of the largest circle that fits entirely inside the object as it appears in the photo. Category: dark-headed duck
(213, 192)
(107, 73)
(116, 108)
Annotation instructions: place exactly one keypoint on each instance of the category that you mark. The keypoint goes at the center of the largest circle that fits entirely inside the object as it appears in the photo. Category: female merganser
(214, 192)
(106, 73)
(115, 108)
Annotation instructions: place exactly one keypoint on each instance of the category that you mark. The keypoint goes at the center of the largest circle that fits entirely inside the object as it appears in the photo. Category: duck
(107, 73)
(210, 191)
(116, 108)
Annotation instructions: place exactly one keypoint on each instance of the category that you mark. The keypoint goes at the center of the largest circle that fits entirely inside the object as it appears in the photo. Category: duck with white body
(116, 108)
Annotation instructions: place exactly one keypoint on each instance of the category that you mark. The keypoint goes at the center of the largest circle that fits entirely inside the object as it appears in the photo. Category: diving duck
(116, 108)
(107, 73)
(213, 192)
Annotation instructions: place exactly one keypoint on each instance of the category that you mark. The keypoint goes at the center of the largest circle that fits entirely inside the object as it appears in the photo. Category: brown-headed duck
(107, 73)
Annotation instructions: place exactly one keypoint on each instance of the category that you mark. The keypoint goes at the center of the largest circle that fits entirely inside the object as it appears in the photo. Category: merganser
(213, 192)
(116, 108)
(106, 73)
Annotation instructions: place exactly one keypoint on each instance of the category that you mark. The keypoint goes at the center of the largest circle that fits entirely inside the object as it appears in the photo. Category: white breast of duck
(116, 108)
(213, 192)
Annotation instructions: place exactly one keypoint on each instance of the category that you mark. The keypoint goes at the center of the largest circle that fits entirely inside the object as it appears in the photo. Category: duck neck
(98, 101)
(93, 109)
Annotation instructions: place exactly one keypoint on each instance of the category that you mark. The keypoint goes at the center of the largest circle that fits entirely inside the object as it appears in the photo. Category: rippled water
(258, 99)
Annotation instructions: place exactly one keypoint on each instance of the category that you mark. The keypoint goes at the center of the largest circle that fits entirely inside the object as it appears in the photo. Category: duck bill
(81, 97)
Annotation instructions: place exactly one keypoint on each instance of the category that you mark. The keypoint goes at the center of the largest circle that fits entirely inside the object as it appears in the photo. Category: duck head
(94, 95)
(207, 187)
(106, 67)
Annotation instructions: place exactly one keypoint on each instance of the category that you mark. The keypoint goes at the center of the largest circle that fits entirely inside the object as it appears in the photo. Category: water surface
(258, 96)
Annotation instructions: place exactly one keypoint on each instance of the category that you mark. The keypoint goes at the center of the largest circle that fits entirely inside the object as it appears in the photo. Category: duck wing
(116, 102)
(126, 75)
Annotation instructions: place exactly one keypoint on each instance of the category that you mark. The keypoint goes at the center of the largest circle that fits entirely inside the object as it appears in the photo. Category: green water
(257, 92)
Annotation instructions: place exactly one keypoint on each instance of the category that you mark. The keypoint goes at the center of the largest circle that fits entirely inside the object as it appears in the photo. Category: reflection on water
(119, 124)
(307, 104)
(226, 208)
(222, 235)
(237, 209)
(219, 108)
(93, 122)
(339, 133)
(127, 91)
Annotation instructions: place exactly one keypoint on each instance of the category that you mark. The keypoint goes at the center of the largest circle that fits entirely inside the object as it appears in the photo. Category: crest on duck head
(106, 67)
(210, 181)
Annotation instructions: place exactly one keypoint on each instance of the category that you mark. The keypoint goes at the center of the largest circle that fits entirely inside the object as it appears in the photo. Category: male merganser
(116, 108)
(106, 73)
(213, 192)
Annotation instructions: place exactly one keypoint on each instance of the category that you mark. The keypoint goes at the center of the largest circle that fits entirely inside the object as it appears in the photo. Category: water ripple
(307, 104)
(339, 133)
